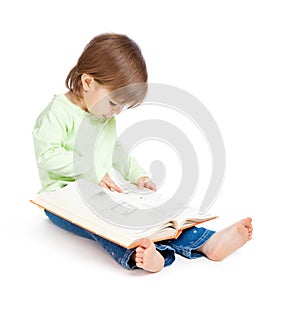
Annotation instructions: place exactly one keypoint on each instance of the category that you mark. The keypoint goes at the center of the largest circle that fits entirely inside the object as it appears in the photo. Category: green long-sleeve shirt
(71, 144)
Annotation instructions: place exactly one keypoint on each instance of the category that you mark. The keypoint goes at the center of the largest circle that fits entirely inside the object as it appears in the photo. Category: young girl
(111, 75)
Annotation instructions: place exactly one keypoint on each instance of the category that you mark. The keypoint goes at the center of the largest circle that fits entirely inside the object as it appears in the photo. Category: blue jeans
(185, 245)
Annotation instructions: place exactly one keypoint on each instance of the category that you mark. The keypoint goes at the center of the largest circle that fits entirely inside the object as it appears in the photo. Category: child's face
(98, 101)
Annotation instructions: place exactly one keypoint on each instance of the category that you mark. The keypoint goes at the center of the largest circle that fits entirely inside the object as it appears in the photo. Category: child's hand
(108, 183)
(145, 182)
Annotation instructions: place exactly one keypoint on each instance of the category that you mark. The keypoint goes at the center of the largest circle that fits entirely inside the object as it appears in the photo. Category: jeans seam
(187, 250)
(125, 259)
(169, 259)
(200, 240)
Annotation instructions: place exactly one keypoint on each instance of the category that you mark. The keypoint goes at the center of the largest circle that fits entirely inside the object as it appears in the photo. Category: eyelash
(112, 104)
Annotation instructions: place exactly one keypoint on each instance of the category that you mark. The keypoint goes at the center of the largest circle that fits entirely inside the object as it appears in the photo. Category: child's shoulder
(58, 109)
(60, 106)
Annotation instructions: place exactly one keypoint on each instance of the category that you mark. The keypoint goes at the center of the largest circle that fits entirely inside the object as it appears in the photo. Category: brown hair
(116, 62)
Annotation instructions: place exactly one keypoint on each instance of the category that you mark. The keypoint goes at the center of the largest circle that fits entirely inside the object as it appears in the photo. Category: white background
(241, 59)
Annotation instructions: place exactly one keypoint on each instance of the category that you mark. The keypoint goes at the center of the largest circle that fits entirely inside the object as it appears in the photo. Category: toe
(139, 250)
(247, 222)
(139, 254)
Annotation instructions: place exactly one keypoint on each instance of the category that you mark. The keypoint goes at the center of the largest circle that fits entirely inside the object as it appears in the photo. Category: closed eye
(112, 103)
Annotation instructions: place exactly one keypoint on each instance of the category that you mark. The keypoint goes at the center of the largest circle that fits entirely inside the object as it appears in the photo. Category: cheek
(105, 107)
(99, 108)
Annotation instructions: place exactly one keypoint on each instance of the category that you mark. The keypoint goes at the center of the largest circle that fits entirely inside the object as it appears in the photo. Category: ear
(86, 81)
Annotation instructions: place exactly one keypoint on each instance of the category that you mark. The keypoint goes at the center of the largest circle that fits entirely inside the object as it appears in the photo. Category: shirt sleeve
(127, 165)
(55, 160)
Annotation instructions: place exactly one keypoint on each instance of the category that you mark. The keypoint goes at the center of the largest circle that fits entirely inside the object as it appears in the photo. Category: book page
(147, 199)
(191, 215)
(69, 203)
(142, 199)
(87, 205)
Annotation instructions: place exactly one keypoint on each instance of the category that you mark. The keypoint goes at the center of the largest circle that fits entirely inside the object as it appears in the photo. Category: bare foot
(225, 242)
(147, 257)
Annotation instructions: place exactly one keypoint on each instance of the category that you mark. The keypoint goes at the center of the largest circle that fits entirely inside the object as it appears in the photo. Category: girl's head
(110, 64)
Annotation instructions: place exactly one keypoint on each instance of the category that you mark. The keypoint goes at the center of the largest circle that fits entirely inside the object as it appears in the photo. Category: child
(111, 75)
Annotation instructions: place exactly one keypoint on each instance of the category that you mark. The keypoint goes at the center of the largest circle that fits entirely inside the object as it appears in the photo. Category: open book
(111, 215)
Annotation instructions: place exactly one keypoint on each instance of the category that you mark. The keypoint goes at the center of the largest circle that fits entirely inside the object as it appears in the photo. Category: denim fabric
(190, 240)
(187, 242)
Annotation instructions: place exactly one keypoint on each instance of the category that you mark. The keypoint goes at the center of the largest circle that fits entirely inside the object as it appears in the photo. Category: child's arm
(56, 160)
(127, 165)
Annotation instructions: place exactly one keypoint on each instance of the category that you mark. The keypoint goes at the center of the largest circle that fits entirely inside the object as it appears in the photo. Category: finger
(110, 184)
(150, 185)
(114, 186)
(103, 184)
